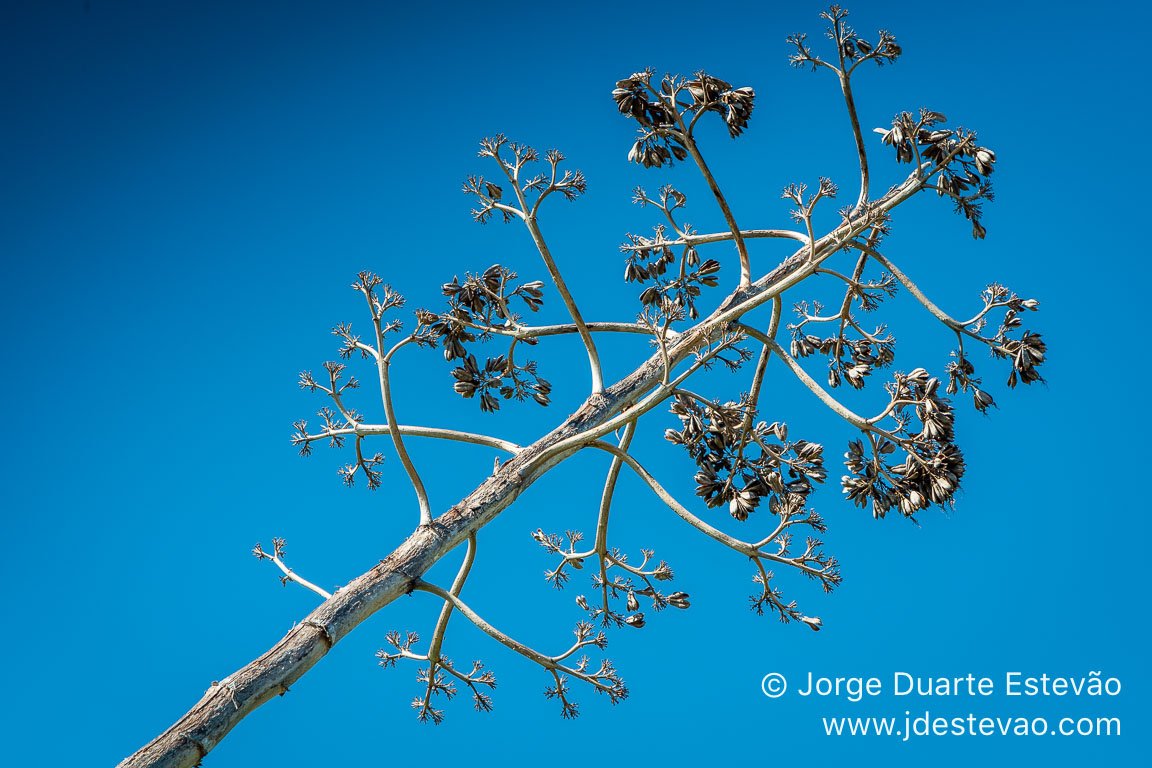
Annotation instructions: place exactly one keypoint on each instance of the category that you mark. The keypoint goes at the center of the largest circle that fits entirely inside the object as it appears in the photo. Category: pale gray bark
(228, 702)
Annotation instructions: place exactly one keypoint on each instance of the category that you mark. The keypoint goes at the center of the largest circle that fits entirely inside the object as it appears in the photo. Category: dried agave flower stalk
(700, 304)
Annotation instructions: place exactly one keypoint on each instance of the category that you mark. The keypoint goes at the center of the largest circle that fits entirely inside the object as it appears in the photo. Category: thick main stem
(222, 707)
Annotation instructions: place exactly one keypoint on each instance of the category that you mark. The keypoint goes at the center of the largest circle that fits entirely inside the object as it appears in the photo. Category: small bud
(981, 399)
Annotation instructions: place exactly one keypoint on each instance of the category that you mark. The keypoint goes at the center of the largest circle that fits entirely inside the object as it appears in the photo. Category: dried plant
(751, 474)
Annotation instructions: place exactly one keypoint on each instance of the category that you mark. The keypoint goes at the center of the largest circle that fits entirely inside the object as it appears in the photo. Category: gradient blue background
(189, 189)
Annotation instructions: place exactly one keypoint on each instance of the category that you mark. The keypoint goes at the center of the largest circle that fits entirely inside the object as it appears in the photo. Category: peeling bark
(229, 701)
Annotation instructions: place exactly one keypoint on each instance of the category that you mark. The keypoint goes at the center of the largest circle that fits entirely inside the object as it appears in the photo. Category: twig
(289, 575)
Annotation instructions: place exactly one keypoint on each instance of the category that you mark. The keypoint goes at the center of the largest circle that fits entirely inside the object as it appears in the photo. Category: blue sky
(190, 189)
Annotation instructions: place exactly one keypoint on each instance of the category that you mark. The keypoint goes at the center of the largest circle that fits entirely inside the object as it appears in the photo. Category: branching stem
(601, 543)
(528, 216)
(551, 663)
(919, 295)
(383, 364)
(289, 574)
(446, 611)
(743, 547)
(737, 234)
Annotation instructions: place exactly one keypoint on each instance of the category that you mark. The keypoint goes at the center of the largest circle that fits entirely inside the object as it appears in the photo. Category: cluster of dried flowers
(475, 307)
(500, 375)
(932, 462)
(742, 461)
(853, 353)
(667, 112)
(1024, 353)
(964, 166)
(850, 47)
(478, 304)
